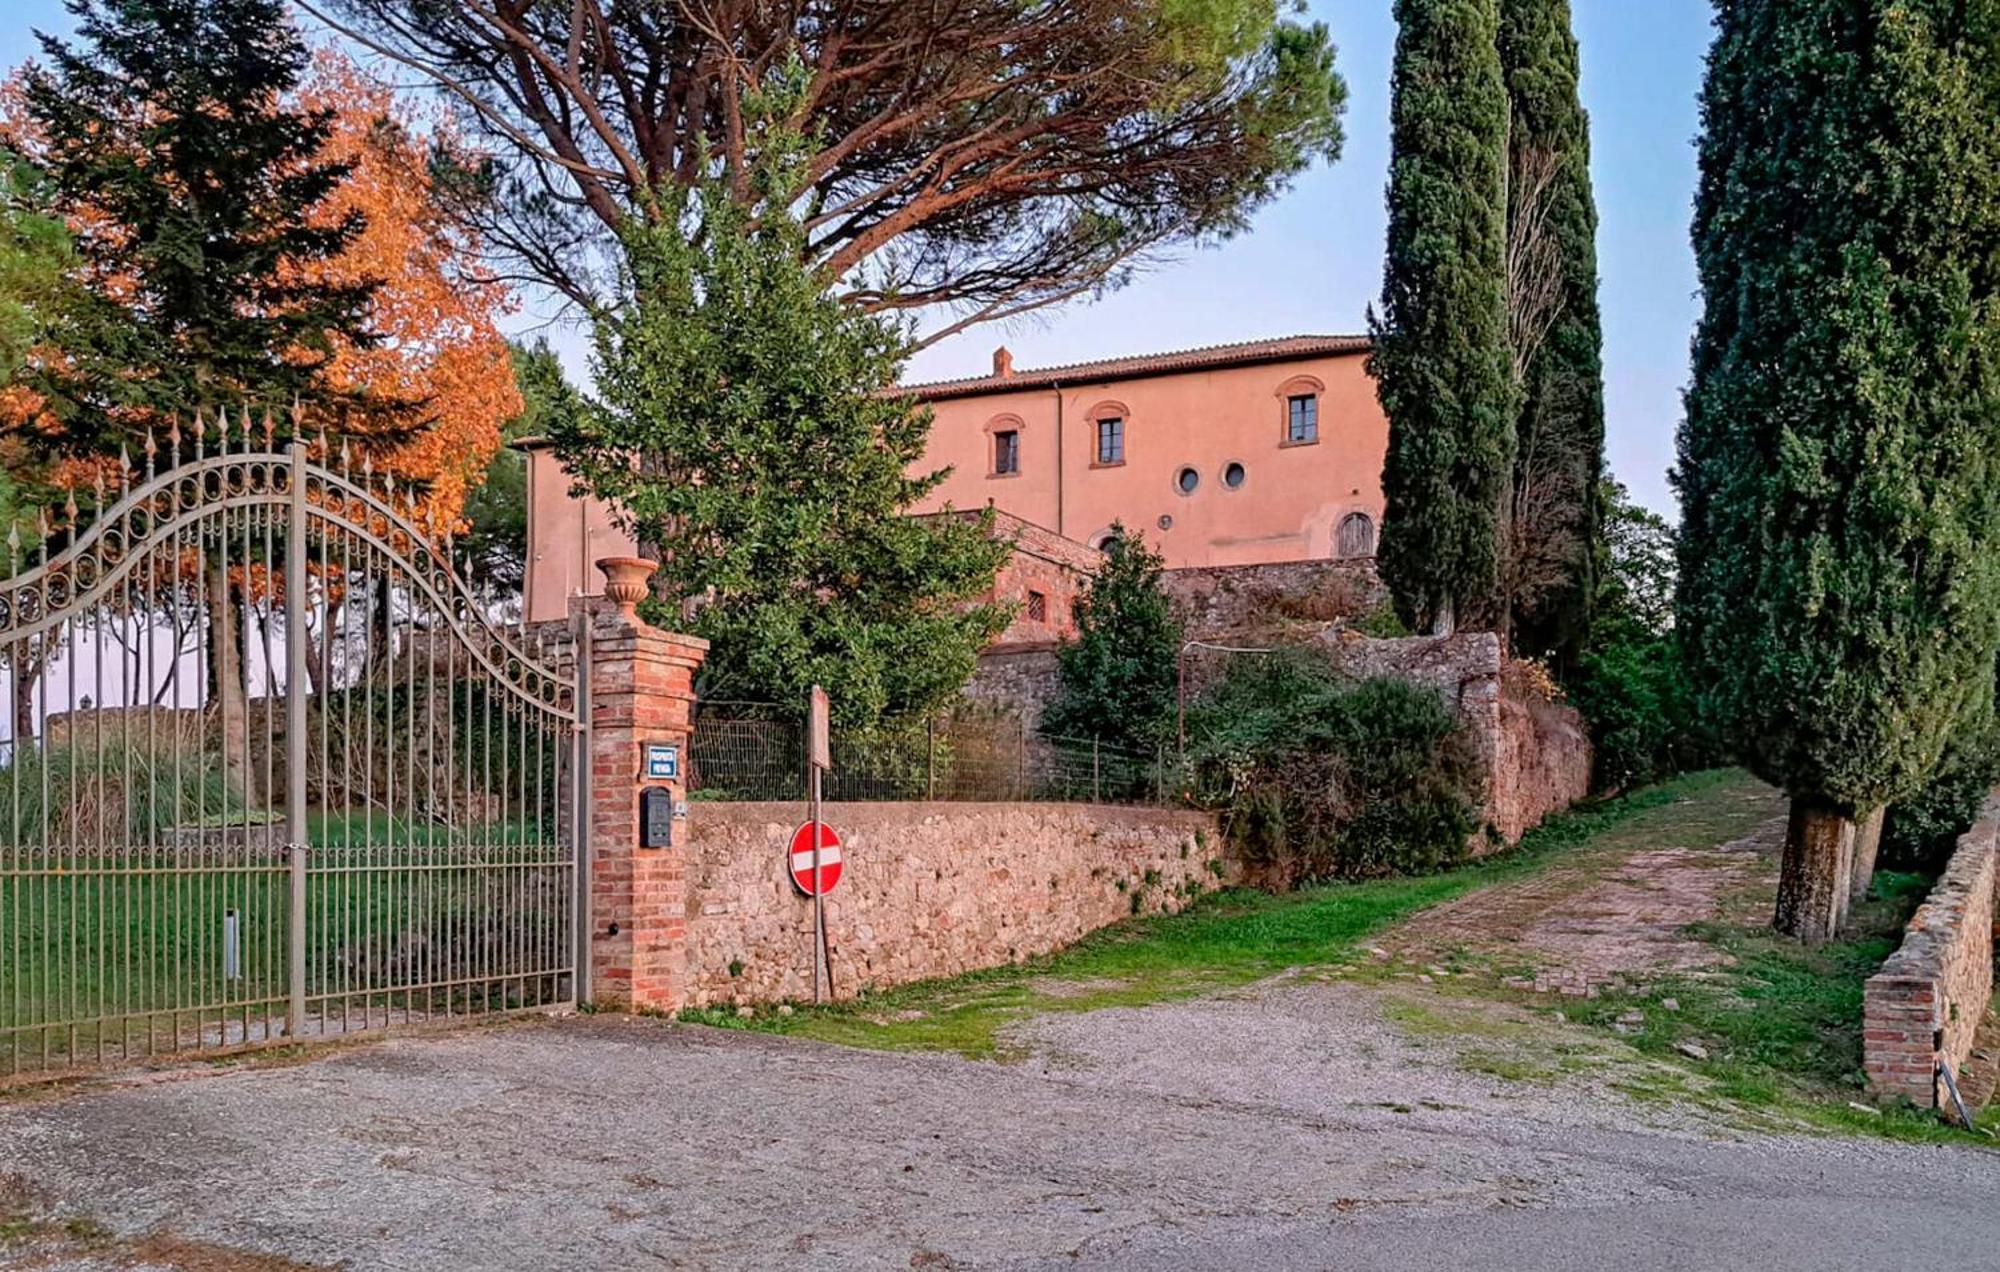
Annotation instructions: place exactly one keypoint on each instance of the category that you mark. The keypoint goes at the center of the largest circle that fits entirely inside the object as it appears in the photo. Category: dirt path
(1619, 913)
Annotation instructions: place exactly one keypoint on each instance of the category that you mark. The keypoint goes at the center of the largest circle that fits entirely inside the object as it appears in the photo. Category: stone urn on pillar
(625, 582)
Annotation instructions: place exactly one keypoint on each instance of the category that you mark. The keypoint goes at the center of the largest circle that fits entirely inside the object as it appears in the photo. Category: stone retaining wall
(1926, 1002)
(929, 889)
(1229, 600)
(1535, 754)
(1018, 680)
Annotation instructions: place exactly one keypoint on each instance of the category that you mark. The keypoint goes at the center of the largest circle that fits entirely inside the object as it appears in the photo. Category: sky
(1312, 259)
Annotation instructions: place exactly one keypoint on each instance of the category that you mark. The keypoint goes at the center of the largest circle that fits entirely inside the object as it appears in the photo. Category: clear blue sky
(1312, 261)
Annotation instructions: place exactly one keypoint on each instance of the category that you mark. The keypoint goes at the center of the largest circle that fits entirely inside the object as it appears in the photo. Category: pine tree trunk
(1818, 868)
(225, 690)
(1867, 842)
(25, 668)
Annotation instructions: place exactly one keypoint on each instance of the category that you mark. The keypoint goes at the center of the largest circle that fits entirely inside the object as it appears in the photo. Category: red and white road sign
(802, 859)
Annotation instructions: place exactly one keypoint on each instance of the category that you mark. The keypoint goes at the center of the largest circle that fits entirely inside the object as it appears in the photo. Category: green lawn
(1227, 938)
(91, 948)
(1774, 1036)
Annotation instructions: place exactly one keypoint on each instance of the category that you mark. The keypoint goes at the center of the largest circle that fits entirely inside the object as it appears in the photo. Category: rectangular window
(1006, 452)
(1304, 419)
(1111, 441)
(1038, 608)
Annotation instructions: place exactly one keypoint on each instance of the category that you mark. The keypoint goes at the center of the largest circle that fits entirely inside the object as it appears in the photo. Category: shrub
(1118, 680)
(79, 794)
(1635, 697)
(1631, 683)
(1320, 777)
(1920, 833)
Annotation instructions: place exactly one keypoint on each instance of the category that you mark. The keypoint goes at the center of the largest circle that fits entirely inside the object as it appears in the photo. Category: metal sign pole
(819, 758)
(819, 900)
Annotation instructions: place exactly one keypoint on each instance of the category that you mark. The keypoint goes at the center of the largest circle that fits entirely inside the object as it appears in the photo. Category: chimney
(1003, 361)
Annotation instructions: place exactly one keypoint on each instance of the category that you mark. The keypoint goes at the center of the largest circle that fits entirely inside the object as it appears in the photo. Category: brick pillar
(641, 696)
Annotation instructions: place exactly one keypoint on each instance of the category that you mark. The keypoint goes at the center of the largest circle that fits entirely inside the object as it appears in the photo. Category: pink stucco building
(1238, 454)
(1242, 454)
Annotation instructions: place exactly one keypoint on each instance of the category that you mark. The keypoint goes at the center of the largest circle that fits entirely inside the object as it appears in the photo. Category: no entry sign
(801, 859)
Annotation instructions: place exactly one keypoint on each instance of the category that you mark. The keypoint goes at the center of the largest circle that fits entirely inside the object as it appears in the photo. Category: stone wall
(1535, 753)
(1926, 1002)
(159, 728)
(1236, 599)
(929, 889)
(1015, 680)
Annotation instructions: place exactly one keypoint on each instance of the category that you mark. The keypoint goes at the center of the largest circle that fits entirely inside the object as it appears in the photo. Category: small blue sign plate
(663, 762)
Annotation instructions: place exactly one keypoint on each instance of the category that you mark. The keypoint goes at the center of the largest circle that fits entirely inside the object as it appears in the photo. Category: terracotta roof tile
(1206, 358)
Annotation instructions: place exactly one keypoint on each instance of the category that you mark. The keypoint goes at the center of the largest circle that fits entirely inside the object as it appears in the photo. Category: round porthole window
(1187, 480)
(1232, 476)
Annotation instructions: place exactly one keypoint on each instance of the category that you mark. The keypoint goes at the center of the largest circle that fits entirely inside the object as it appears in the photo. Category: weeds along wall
(929, 889)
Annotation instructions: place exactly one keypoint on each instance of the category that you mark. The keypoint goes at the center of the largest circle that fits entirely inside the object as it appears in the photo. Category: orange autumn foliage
(441, 356)
(440, 352)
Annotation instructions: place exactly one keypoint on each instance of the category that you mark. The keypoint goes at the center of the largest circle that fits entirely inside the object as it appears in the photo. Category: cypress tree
(165, 127)
(1840, 564)
(1555, 531)
(1441, 357)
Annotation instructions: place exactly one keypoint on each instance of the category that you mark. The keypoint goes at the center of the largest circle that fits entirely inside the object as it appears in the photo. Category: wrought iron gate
(273, 772)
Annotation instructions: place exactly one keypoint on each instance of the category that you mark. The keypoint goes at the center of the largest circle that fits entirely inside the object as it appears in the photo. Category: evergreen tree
(163, 131)
(35, 260)
(747, 431)
(1441, 355)
(1839, 593)
(1118, 681)
(1555, 523)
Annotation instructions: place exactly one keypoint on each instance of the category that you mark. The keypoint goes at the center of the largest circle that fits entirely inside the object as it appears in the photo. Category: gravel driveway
(1288, 1125)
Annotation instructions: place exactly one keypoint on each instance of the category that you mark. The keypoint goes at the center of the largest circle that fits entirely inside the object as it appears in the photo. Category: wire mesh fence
(748, 753)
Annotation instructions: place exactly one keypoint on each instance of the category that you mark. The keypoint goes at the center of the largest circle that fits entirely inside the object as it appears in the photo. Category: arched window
(1004, 451)
(1108, 421)
(1299, 397)
(1355, 537)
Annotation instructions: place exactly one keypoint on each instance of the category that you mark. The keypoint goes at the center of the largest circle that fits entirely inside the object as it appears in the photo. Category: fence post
(641, 691)
(295, 742)
(580, 815)
(930, 761)
(1096, 782)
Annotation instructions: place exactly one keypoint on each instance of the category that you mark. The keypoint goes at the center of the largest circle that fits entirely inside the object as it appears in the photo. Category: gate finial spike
(270, 429)
(69, 506)
(152, 449)
(173, 440)
(200, 438)
(124, 465)
(243, 418)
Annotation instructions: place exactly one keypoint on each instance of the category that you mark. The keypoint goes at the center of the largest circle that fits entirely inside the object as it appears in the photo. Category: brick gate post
(641, 698)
